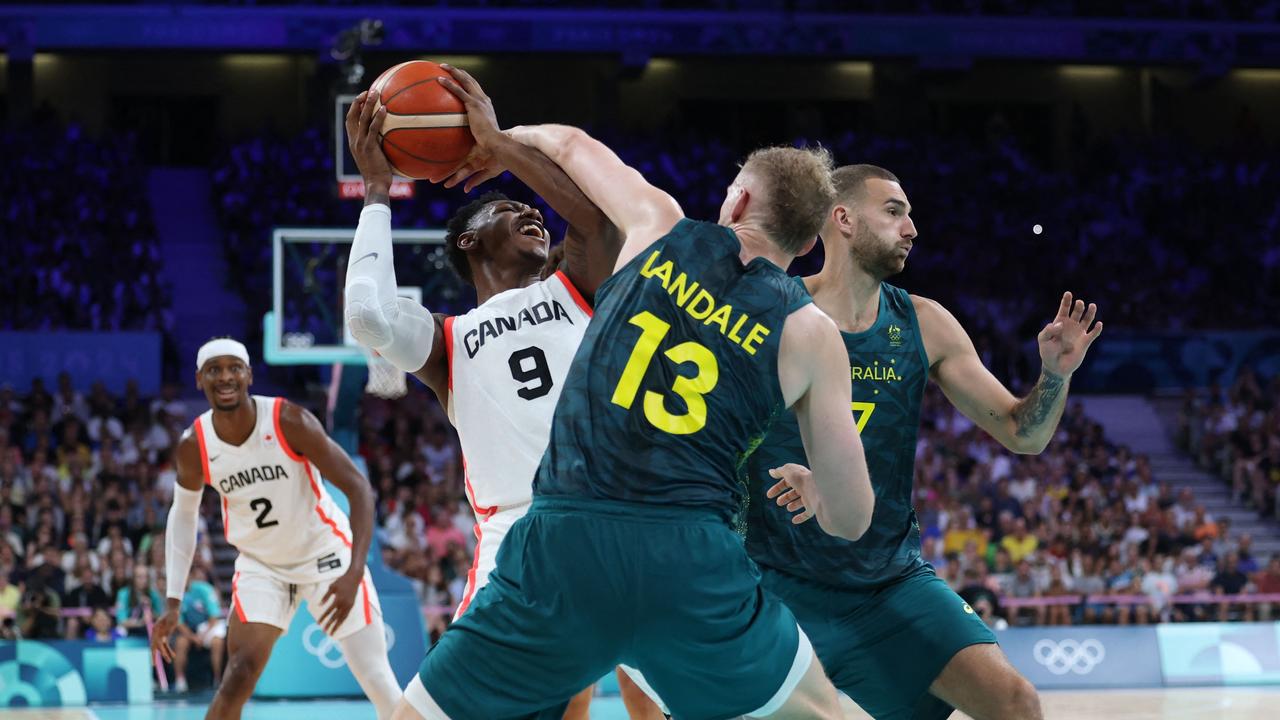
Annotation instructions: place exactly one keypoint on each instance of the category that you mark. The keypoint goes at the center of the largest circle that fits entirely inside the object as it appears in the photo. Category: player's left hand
(794, 491)
(343, 591)
(480, 165)
(1064, 342)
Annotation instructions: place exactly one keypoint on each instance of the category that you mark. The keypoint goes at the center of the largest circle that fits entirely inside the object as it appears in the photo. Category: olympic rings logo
(1069, 655)
(326, 649)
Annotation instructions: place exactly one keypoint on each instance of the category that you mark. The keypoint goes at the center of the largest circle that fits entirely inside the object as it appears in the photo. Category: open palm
(1064, 342)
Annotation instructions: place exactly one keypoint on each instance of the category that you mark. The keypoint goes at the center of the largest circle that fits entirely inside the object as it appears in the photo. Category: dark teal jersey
(676, 379)
(889, 368)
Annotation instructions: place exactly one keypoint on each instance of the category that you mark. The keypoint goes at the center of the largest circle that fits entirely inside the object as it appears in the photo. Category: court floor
(1156, 704)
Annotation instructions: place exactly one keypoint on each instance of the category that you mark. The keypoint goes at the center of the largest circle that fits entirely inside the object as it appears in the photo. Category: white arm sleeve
(180, 539)
(402, 331)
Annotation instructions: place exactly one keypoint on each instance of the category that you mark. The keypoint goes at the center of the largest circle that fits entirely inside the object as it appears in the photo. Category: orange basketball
(425, 133)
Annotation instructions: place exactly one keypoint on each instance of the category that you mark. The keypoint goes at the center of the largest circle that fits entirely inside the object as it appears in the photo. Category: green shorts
(583, 585)
(885, 647)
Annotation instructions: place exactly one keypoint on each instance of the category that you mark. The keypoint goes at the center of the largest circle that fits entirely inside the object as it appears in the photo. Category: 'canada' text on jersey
(251, 476)
(537, 313)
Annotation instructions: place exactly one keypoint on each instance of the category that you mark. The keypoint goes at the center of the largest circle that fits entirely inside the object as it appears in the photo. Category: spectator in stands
(9, 534)
(1203, 525)
(1244, 553)
(10, 595)
(1089, 581)
(441, 454)
(962, 533)
(87, 254)
(39, 615)
(984, 601)
(86, 594)
(138, 602)
(1268, 582)
(68, 402)
(102, 627)
(1160, 584)
(1020, 543)
(203, 625)
(1059, 586)
(1024, 585)
(1230, 581)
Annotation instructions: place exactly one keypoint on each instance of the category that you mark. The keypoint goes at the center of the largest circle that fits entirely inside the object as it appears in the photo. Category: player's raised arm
(303, 432)
(642, 212)
(813, 370)
(1022, 425)
(592, 242)
(402, 331)
(180, 539)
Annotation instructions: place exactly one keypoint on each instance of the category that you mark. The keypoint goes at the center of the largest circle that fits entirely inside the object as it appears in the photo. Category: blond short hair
(798, 192)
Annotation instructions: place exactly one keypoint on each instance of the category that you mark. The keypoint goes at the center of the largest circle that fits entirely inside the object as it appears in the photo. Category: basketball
(425, 134)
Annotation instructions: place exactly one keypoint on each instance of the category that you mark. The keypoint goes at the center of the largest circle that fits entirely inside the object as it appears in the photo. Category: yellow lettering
(855, 373)
(678, 289)
(648, 264)
(756, 336)
(721, 317)
(701, 313)
(891, 375)
(700, 304)
(663, 273)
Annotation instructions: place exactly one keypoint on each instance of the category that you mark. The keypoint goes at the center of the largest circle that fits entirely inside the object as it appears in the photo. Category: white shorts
(638, 678)
(260, 596)
(490, 529)
(799, 666)
(211, 630)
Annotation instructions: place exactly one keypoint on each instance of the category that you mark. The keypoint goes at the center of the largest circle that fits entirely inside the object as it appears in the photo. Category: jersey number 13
(690, 389)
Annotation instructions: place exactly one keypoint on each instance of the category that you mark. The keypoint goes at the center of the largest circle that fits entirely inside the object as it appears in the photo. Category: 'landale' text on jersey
(252, 476)
(545, 311)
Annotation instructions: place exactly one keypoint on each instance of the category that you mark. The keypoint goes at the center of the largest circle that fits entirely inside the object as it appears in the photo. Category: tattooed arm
(1023, 425)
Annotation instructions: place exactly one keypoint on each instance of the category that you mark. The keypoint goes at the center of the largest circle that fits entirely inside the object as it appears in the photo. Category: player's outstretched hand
(1065, 340)
(160, 633)
(364, 137)
(343, 591)
(795, 491)
(480, 164)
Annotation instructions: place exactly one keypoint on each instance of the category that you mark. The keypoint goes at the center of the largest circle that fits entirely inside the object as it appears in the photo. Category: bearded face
(882, 253)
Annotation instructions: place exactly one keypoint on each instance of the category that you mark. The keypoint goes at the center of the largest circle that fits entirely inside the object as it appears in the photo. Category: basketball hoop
(385, 380)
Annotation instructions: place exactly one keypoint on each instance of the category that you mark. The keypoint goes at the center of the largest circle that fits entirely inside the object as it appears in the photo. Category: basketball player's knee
(242, 671)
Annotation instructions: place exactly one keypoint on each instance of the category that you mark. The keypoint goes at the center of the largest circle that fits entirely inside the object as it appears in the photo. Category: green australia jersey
(676, 379)
(889, 368)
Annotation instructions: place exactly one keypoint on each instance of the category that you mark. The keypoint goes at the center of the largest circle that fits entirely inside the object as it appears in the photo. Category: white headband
(220, 347)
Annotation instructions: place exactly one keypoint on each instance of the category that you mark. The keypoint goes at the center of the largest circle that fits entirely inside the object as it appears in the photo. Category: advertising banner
(1087, 656)
(1220, 653)
(59, 673)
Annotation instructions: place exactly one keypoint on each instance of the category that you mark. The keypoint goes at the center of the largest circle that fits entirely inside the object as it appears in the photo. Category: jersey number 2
(539, 371)
(690, 389)
(264, 506)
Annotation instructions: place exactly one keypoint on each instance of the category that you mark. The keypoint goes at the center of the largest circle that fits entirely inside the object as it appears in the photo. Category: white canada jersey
(275, 508)
(508, 359)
